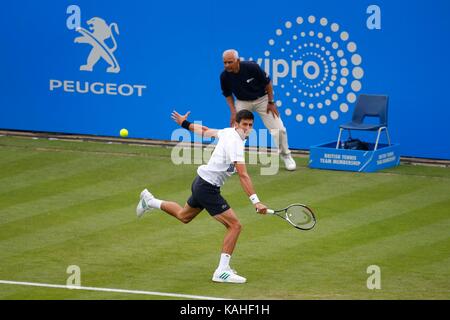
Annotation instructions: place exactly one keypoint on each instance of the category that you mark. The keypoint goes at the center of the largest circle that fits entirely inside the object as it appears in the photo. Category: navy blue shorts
(207, 196)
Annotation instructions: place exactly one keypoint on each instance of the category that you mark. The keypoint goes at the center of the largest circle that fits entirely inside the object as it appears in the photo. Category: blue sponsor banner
(94, 67)
(328, 157)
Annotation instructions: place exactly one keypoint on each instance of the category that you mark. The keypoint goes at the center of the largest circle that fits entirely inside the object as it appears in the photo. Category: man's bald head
(230, 53)
(231, 60)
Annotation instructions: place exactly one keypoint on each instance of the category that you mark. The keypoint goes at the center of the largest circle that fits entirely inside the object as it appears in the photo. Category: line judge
(246, 86)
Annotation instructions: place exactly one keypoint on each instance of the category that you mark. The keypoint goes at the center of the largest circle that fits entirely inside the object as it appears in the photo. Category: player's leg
(224, 273)
(206, 195)
(184, 214)
(231, 222)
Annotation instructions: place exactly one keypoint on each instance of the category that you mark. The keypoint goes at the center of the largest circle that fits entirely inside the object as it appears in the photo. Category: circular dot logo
(316, 69)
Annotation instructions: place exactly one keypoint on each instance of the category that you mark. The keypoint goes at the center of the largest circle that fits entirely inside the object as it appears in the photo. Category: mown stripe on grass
(77, 177)
(62, 200)
(70, 224)
(47, 194)
(8, 156)
(44, 170)
(365, 196)
(33, 162)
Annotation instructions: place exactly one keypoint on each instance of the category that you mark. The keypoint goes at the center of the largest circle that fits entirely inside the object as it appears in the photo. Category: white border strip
(151, 293)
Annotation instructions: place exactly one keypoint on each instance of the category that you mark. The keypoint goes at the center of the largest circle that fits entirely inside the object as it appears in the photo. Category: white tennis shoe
(227, 275)
(289, 162)
(143, 205)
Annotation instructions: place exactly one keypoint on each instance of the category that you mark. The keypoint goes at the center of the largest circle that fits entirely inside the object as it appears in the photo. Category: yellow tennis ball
(124, 133)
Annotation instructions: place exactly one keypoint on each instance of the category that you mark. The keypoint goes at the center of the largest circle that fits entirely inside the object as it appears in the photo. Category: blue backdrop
(143, 59)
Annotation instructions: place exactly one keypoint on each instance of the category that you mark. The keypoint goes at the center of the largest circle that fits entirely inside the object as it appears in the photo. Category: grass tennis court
(73, 203)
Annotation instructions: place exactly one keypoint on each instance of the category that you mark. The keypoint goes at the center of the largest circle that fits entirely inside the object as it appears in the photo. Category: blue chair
(368, 106)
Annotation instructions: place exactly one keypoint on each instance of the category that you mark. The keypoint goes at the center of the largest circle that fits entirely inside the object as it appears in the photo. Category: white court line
(151, 293)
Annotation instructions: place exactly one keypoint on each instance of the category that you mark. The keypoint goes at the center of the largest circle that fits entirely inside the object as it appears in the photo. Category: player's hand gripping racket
(298, 215)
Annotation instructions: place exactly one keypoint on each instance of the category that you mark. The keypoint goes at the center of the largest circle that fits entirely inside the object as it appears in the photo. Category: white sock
(155, 203)
(224, 261)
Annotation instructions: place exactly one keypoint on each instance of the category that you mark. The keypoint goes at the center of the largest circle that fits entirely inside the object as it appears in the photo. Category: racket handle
(269, 211)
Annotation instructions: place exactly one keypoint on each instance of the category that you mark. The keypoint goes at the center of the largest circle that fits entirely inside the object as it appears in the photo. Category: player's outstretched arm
(196, 128)
(247, 185)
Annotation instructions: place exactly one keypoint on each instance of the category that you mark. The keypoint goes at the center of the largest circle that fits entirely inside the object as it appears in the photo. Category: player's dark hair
(244, 114)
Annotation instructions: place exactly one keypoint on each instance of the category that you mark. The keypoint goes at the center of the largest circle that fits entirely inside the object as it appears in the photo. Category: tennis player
(226, 159)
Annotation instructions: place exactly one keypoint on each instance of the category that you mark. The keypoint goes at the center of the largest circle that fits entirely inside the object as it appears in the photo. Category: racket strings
(300, 216)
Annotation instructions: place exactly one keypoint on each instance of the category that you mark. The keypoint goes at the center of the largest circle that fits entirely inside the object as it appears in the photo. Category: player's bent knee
(187, 214)
(236, 226)
(185, 220)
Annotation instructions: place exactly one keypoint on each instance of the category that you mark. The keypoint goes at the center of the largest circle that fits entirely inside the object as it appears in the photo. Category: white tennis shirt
(229, 148)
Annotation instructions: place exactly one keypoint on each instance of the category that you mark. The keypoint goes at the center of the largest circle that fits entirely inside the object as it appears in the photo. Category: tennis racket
(298, 215)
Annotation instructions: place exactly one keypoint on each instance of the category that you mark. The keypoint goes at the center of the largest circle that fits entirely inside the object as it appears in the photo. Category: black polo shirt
(248, 84)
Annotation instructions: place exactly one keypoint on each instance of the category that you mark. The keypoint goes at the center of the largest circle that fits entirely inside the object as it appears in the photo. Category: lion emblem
(100, 31)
